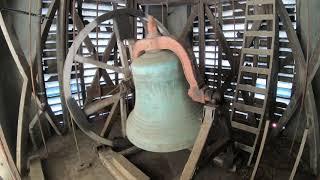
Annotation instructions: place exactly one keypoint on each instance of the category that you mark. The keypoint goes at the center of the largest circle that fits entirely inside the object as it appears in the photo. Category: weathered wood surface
(223, 43)
(265, 133)
(303, 89)
(109, 121)
(6, 159)
(23, 117)
(202, 51)
(120, 167)
(46, 24)
(303, 142)
(191, 165)
(314, 62)
(189, 24)
(300, 67)
(174, 2)
(61, 55)
(36, 172)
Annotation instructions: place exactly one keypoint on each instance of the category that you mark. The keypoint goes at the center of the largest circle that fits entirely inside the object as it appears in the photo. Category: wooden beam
(48, 20)
(107, 1)
(286, 61)
(202, 46)
(108, 123)
(223, 42)
(188, 27)
(303, 87)
(36, 172)
(90, 46)
(303, 142)
(7, 158)
(255, 26)
(98, 64)
(294, 42)
(23, 117)
(174, 2)
(105, 58)
(79, 25)
(265, 132)
(120, 167)
(300, 64)
(310, 110)
(190, 167)
(314, 62)
(61, 55)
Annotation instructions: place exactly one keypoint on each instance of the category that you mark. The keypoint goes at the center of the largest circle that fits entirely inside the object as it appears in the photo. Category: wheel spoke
(99, 64)
(105, 58)
(87, 41)
(124, 114)
(107, 125)
(121, 47)
(189, 24)
(100, 104)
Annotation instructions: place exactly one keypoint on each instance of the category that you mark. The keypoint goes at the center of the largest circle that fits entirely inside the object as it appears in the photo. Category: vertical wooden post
(42, 90)
(199, 144)
(81, 67)
(274, 73)
(202, 45)
(133, 4)
(220, 48)
(61, 55)
(8, 169)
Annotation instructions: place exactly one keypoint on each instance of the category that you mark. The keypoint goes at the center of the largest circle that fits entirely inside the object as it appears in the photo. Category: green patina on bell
(164, 118)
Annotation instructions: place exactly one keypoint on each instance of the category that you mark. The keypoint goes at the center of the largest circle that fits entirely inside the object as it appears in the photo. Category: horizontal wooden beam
(177, 2)
(107, 1)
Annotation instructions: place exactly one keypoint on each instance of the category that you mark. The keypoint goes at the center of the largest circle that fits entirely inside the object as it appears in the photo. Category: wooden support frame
(120, 167)
(303, 142)
(190, 167)
(223, 42)
(23, 117)
(314, 62)
(202, 41)
(9, 162)
(305, 73)
(61, 55)
(265, 133)
(300, 67)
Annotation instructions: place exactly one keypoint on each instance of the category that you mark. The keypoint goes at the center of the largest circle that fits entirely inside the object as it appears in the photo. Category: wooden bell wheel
(110, 95)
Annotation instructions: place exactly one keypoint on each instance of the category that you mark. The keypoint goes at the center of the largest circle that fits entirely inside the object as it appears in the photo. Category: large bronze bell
(164, 118)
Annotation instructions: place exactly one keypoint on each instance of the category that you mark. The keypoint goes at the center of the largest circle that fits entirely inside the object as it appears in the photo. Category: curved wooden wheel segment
(114, 94)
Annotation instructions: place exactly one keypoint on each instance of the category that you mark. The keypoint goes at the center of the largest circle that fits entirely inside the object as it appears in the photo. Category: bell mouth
(154, 137)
